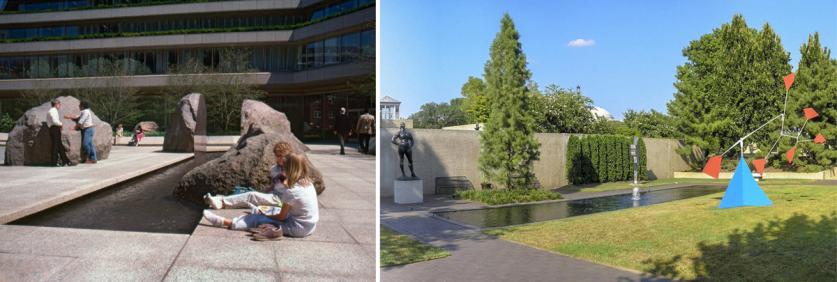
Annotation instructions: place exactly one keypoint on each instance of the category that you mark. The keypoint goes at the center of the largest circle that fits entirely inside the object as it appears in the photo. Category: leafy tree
(113, 99)
(564, 111)
(650, 124)
(225, 87)
(816, 87)
(438, 115)
(475, 103)
(508, 144)
(730, 85)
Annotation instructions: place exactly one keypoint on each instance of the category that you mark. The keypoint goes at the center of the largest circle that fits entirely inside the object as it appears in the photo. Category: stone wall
(440, 153)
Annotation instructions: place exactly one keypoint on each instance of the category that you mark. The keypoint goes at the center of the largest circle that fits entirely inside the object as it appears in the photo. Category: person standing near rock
(85, 121)
(365, 130)
(343, 129)
(59, 154)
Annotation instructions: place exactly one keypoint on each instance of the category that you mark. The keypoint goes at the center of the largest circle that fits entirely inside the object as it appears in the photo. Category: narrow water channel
(142, 204)
(528, 213)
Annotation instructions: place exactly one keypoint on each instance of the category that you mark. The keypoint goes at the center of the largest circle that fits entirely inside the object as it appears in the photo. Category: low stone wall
(440, 153)
(224, 140)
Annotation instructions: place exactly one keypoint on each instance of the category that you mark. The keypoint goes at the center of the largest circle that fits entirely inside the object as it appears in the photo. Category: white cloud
(581, 43)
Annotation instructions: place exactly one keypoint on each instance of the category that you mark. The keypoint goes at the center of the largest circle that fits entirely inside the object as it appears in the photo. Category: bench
(449, 185)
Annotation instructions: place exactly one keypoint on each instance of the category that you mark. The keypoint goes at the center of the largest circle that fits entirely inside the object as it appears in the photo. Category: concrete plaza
(342, 248)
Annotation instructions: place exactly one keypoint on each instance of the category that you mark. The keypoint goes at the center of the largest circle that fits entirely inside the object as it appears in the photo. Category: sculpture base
(409, 191)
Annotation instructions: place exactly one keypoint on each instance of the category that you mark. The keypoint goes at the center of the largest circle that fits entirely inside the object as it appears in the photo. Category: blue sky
(428, 48)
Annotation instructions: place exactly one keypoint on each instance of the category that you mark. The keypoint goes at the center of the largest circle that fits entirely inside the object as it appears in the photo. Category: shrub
(507, 196)
(6, 123)
(603, 158)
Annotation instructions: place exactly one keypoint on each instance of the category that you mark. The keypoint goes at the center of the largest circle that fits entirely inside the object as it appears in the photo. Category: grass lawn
(610, 186)
(793, 240)
(397, 249)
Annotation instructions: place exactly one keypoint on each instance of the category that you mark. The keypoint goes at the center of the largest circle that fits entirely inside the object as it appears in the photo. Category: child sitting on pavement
(249, 199)
(299, 213)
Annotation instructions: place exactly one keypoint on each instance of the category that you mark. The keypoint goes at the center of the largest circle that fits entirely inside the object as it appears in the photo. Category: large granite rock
(29, 142)
(248, 162)
(188, 125)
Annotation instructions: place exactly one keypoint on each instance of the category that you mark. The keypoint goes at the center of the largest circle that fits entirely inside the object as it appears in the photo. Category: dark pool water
(520, 214)
(142, 204)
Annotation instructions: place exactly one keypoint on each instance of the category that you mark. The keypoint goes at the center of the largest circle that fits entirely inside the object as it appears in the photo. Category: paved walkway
(479, 257)
(342, 248)
(29, 189)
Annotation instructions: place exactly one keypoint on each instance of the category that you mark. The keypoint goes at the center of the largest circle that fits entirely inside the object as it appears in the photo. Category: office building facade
(310, 57)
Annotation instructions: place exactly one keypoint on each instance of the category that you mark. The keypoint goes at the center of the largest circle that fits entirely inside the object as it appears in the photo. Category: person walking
(343, 129)
(365, 130)
(59, 154)
(85, 121)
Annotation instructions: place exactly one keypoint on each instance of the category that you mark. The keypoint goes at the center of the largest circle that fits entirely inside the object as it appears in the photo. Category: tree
(475, 103)
(113, 99)
(508, 144)
(225, 87)
(650, 124)
(564, 111)
(816, 87)
(730, 85)
(438, 115)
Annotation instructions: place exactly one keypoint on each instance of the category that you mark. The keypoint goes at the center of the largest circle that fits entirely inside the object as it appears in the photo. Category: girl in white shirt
(300, 212)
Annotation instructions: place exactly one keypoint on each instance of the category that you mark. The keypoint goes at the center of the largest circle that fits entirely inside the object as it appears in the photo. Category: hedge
(603, 158)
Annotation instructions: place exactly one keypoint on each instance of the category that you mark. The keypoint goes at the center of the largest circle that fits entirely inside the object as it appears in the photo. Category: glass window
(350, 46)
(331, 51)
(367, 39)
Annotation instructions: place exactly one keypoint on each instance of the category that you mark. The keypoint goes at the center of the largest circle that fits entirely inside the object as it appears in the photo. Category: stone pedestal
(408, 191)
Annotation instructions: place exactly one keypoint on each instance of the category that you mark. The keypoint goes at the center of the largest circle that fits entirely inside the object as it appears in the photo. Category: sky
(623, 54)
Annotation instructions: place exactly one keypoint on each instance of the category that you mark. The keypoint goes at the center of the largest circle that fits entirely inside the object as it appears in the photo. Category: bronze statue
(404, 140)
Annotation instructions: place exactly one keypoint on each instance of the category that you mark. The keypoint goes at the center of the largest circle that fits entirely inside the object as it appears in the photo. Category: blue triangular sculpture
(743, 189)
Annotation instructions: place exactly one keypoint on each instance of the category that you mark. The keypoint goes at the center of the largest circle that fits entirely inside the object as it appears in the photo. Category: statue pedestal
(408, 191)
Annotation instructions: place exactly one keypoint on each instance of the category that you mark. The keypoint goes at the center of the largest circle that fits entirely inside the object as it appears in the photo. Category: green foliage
(603, 158)
(438, 115)
(730, 84)
(507, 196)
(564, 111)
(816, 87)
(475, 103)
(107, 6)
(650, 124)
(183, 31)
(6, 123)
(224, 93)
(508, 144)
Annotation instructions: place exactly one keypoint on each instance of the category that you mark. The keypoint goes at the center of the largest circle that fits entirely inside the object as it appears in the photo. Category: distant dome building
(599, 112)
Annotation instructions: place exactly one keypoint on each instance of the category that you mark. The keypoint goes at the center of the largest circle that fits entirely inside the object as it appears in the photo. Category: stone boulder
(248, 162)
(188, 123)
(29, 142)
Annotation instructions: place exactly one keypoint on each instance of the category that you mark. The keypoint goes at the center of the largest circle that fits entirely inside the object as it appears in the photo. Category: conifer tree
(508, 144)
(815, 86)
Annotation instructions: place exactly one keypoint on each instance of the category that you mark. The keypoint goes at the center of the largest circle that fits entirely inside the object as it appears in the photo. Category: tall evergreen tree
(730, 85)
(816, 87)
(508, 144)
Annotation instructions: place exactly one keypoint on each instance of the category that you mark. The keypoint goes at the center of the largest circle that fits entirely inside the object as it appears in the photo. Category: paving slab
(341, 249)
(32, 253)
(29, 189)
